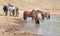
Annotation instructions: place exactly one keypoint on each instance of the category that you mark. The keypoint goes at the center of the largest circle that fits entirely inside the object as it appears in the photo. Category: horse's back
(26, 12)
(47, 13)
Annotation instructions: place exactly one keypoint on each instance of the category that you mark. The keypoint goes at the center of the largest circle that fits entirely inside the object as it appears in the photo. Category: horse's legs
(33, 18)
(13, 12)
(17, 12)
(49, 16)
(6, 13)
(10, 12)
(24, 17)
(43, 16)
(37, 21)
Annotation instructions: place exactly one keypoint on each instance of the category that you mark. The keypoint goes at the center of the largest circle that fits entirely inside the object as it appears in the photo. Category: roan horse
(11, 9)
(32, 15)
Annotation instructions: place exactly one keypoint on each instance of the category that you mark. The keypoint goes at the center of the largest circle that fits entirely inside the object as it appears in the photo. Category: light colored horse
(11, 9)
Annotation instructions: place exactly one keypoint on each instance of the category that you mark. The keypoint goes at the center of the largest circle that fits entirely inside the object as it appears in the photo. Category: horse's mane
(10, 5)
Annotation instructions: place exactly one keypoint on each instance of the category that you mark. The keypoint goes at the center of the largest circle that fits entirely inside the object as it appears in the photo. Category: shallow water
(46, 27)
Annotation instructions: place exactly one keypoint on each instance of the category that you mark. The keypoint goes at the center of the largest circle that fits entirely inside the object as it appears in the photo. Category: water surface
(46, 27)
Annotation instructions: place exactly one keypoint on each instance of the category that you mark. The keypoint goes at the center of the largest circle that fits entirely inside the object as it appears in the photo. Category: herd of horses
(14, 11)
(41, 15)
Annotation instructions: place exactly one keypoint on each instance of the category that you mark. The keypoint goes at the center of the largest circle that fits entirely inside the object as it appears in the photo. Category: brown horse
(28, 14)
(47, 15)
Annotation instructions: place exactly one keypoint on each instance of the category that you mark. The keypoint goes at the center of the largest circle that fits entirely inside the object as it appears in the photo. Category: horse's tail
(37, 20)
(24, 16)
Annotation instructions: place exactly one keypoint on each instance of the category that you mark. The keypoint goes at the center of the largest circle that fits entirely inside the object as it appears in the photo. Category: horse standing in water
(45, 15)
(11, 9)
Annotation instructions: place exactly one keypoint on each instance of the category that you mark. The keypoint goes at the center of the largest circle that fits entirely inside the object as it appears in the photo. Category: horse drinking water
(45, 14)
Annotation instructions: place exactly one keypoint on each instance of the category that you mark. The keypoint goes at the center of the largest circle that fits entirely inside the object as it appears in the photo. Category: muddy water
(46, 27)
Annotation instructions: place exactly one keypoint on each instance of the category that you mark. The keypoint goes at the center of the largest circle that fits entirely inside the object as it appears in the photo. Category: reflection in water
(37, 26)
(46, 27)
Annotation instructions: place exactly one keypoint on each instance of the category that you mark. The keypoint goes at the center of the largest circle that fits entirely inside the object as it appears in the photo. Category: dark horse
(11, 9)
(5, 8)
(32, 15)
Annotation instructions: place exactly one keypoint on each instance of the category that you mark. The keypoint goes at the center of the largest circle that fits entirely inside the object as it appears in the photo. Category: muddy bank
(9, 25)
(18, 34)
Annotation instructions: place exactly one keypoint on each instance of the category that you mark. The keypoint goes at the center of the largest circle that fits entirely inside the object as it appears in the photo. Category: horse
(45, 14)
(28, 14)
(5, 9)
(13, 9)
